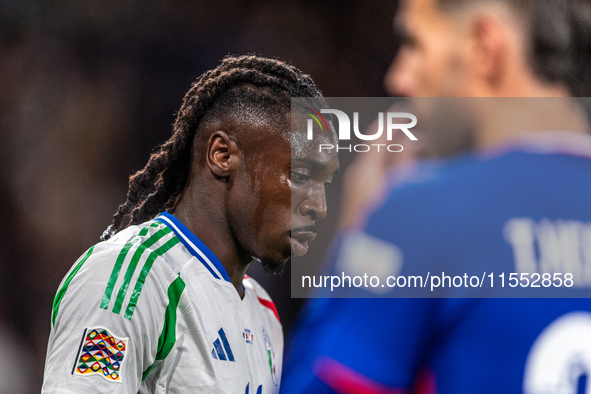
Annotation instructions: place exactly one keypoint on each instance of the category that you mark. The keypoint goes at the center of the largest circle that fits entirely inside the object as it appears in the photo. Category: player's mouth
(299, 241)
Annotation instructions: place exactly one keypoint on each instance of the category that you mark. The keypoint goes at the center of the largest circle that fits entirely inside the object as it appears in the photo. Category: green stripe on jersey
(62, 291)
(145, 271)
(133, 264)
(168, 336)
(117, 267)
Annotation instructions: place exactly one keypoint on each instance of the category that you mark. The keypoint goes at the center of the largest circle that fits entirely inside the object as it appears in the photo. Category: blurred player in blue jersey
(521, 200)
(163, 305)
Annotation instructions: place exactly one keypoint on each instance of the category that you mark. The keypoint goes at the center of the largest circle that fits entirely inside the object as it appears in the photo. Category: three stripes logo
(145, 253)
(221, 348)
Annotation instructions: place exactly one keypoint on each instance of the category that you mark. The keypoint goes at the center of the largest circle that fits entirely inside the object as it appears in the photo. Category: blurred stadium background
(87, 89)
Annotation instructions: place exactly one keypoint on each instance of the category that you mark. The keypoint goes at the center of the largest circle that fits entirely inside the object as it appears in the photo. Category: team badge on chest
(248, 336)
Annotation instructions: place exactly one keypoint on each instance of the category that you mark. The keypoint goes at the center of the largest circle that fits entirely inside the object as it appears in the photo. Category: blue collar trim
(195, 246)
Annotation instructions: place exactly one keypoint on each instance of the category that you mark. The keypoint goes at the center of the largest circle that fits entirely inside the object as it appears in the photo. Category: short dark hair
(559, 39)
(238, 87)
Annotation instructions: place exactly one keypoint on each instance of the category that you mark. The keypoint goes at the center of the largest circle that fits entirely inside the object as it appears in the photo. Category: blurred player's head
(492, 48)
(228, 162)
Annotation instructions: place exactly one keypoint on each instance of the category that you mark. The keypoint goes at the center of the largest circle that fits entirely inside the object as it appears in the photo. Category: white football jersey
(152, 310)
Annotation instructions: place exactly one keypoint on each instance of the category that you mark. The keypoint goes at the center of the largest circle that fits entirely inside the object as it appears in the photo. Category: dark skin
(243, 195)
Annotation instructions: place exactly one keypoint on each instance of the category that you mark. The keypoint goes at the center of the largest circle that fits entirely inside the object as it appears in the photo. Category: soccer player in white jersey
(164, 305)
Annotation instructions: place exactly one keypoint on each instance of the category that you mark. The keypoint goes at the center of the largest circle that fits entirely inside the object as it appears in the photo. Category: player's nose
(399, 79)
(315, 205)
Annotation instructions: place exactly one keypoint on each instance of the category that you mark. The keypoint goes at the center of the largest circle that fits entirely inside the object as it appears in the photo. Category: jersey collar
(194, 246)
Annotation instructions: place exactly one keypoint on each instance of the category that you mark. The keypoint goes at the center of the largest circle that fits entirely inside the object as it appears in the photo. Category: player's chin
(272, 265)
(275, 261)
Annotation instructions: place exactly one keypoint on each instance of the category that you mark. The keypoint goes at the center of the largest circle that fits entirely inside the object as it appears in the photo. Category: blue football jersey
(526, 208)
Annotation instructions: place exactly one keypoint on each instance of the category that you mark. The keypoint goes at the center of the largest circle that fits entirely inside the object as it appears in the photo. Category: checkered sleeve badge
(100, 353)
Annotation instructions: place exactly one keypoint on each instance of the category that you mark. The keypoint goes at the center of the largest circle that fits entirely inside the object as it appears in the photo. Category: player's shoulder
(436, 187)
(136, 244)
(264, 299)
(431, 175)
(121, 273)
(433, 208)
(427, 185)
(472, 180)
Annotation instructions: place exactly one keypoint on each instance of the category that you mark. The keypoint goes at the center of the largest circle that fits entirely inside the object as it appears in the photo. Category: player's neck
(504, 119)
(215, 235)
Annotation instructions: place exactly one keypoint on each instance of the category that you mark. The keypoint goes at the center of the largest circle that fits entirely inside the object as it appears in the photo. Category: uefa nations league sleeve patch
(100, 353)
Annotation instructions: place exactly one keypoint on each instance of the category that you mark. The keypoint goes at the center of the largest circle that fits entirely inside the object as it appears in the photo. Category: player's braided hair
(157, 186)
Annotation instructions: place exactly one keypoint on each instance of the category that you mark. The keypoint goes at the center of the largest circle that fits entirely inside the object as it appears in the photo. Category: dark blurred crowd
(87, 89)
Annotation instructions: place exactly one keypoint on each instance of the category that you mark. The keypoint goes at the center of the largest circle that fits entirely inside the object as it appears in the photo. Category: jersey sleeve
(103, 337)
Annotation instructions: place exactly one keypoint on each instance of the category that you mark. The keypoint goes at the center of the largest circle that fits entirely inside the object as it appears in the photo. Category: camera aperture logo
(390, 122)
(315, 115)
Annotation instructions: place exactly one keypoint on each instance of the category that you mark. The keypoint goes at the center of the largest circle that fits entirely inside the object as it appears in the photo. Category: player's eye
(298, 177)
(407, 41)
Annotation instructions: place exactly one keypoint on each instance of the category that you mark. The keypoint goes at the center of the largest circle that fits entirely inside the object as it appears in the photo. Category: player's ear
(223, 154)
(490, 38)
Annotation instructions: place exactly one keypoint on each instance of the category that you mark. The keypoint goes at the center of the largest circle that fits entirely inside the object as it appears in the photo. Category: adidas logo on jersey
(221, 348)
